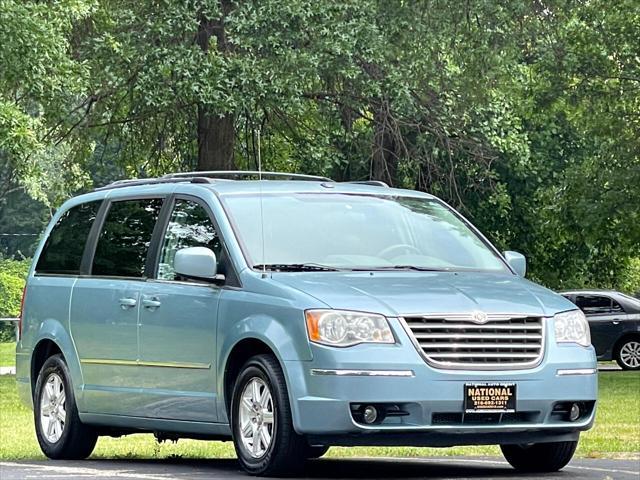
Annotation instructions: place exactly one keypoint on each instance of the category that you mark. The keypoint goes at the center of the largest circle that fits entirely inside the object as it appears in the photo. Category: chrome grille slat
(450, 346)
(533, 336)
(483, 355)
(503, 341)
(465, 326)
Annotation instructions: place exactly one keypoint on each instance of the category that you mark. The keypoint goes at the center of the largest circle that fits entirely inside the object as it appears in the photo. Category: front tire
(263, 435)
(60, 433)
(539, 457)
(628, 354)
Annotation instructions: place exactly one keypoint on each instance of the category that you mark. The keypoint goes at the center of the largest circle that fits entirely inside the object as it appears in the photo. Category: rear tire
(60, 433)
(539, 457)
(627, 354)
(261, 415)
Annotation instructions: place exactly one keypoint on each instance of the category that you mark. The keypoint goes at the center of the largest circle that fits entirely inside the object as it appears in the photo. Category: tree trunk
(216, 133)
(216, 139)
(384, 157)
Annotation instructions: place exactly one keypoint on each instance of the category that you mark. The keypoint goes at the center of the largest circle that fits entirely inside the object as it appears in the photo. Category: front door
(105, 308)
(178, 321)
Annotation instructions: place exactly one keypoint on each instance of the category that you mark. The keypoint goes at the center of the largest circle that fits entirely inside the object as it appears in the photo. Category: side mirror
(517, 261)
(197, 263)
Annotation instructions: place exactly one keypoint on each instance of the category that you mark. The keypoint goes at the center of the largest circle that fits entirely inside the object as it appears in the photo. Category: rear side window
(62, 252)
(125, 238)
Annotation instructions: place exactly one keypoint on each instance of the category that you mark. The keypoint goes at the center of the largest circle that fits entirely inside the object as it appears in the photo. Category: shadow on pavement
(351, 468)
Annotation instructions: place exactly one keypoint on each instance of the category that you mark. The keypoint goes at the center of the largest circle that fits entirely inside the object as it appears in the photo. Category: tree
(523, 115)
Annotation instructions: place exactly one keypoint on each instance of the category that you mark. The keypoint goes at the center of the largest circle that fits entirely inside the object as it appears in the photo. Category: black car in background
(614, 319)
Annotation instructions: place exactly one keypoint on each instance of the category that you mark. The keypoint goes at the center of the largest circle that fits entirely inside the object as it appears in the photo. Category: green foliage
(521, 115)
(630, 281)
(12, 279)
(39, 82)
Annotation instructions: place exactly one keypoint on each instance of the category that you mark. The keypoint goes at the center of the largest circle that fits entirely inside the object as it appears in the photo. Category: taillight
(24, 293)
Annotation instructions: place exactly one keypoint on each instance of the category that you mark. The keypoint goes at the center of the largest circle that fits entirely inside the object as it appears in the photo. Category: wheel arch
(248, 324)
(233, 357)
(53, 338)
(238, 356)
(44, 349)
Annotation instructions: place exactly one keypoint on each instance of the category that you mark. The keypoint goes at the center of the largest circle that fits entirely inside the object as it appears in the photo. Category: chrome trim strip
(498, 428)
(576, 371)
(140, 363)
(361, 373)
(468, 316)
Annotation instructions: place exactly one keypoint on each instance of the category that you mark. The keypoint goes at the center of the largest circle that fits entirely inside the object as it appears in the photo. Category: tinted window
(62, 253)
(595, 305)
(125, 238)
(189, 226)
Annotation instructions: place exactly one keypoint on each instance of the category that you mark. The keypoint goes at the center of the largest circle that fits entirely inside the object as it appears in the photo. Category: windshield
(345, 231)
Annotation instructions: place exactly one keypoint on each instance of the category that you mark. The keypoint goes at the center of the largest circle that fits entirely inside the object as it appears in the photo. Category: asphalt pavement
(433, 468)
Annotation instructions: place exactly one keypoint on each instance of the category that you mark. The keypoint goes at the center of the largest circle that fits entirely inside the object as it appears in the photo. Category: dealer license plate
(489, 397)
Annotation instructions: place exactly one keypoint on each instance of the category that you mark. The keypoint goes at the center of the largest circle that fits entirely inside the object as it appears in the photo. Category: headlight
(572, 327)
(340, 328)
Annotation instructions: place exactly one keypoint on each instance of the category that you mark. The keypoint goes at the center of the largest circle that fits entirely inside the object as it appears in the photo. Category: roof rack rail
(208, 177)
(149, 181)
(376, 183)
(230, 174)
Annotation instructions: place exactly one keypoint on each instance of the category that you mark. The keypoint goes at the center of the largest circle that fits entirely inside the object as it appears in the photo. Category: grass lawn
(7, 354)
(616, 434)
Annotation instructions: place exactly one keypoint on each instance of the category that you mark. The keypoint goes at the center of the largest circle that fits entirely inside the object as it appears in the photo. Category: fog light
(370, 414)
(574, 413)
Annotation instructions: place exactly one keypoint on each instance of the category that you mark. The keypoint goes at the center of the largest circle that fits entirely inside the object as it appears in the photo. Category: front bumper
(433, 398)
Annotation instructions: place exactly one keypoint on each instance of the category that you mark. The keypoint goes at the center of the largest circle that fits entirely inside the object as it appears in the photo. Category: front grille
(456, 341)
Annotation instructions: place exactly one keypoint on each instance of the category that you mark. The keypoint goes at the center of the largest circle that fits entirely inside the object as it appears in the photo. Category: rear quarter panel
(46, 313)
(46, 317)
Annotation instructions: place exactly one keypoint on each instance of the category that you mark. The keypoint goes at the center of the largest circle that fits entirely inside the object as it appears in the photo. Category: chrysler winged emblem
(479, 317)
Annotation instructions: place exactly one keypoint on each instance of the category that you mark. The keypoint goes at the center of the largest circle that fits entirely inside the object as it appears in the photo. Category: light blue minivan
(291, 314)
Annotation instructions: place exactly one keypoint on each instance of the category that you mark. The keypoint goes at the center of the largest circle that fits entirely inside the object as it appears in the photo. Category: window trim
(92, 239)
(153, 260)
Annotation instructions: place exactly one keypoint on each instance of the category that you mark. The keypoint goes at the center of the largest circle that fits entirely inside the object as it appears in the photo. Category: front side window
(63, 250)
(125, 238)
(189, 226)
(349, 231)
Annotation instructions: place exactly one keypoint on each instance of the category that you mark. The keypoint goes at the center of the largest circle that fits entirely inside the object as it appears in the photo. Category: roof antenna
(264, 264)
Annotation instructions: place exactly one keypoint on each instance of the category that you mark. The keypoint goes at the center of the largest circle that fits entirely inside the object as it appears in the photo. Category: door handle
(151, 302)
(128, 302)
(616, 322)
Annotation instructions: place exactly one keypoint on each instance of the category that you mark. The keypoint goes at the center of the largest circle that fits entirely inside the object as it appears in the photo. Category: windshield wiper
(296, 267)
(402, 267)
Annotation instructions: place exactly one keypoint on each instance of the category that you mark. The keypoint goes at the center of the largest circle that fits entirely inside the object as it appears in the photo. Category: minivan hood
(419, 293)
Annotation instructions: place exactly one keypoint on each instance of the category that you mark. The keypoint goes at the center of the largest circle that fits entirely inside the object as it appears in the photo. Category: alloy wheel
(256, 417)
(53, 415)
(630, 354)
